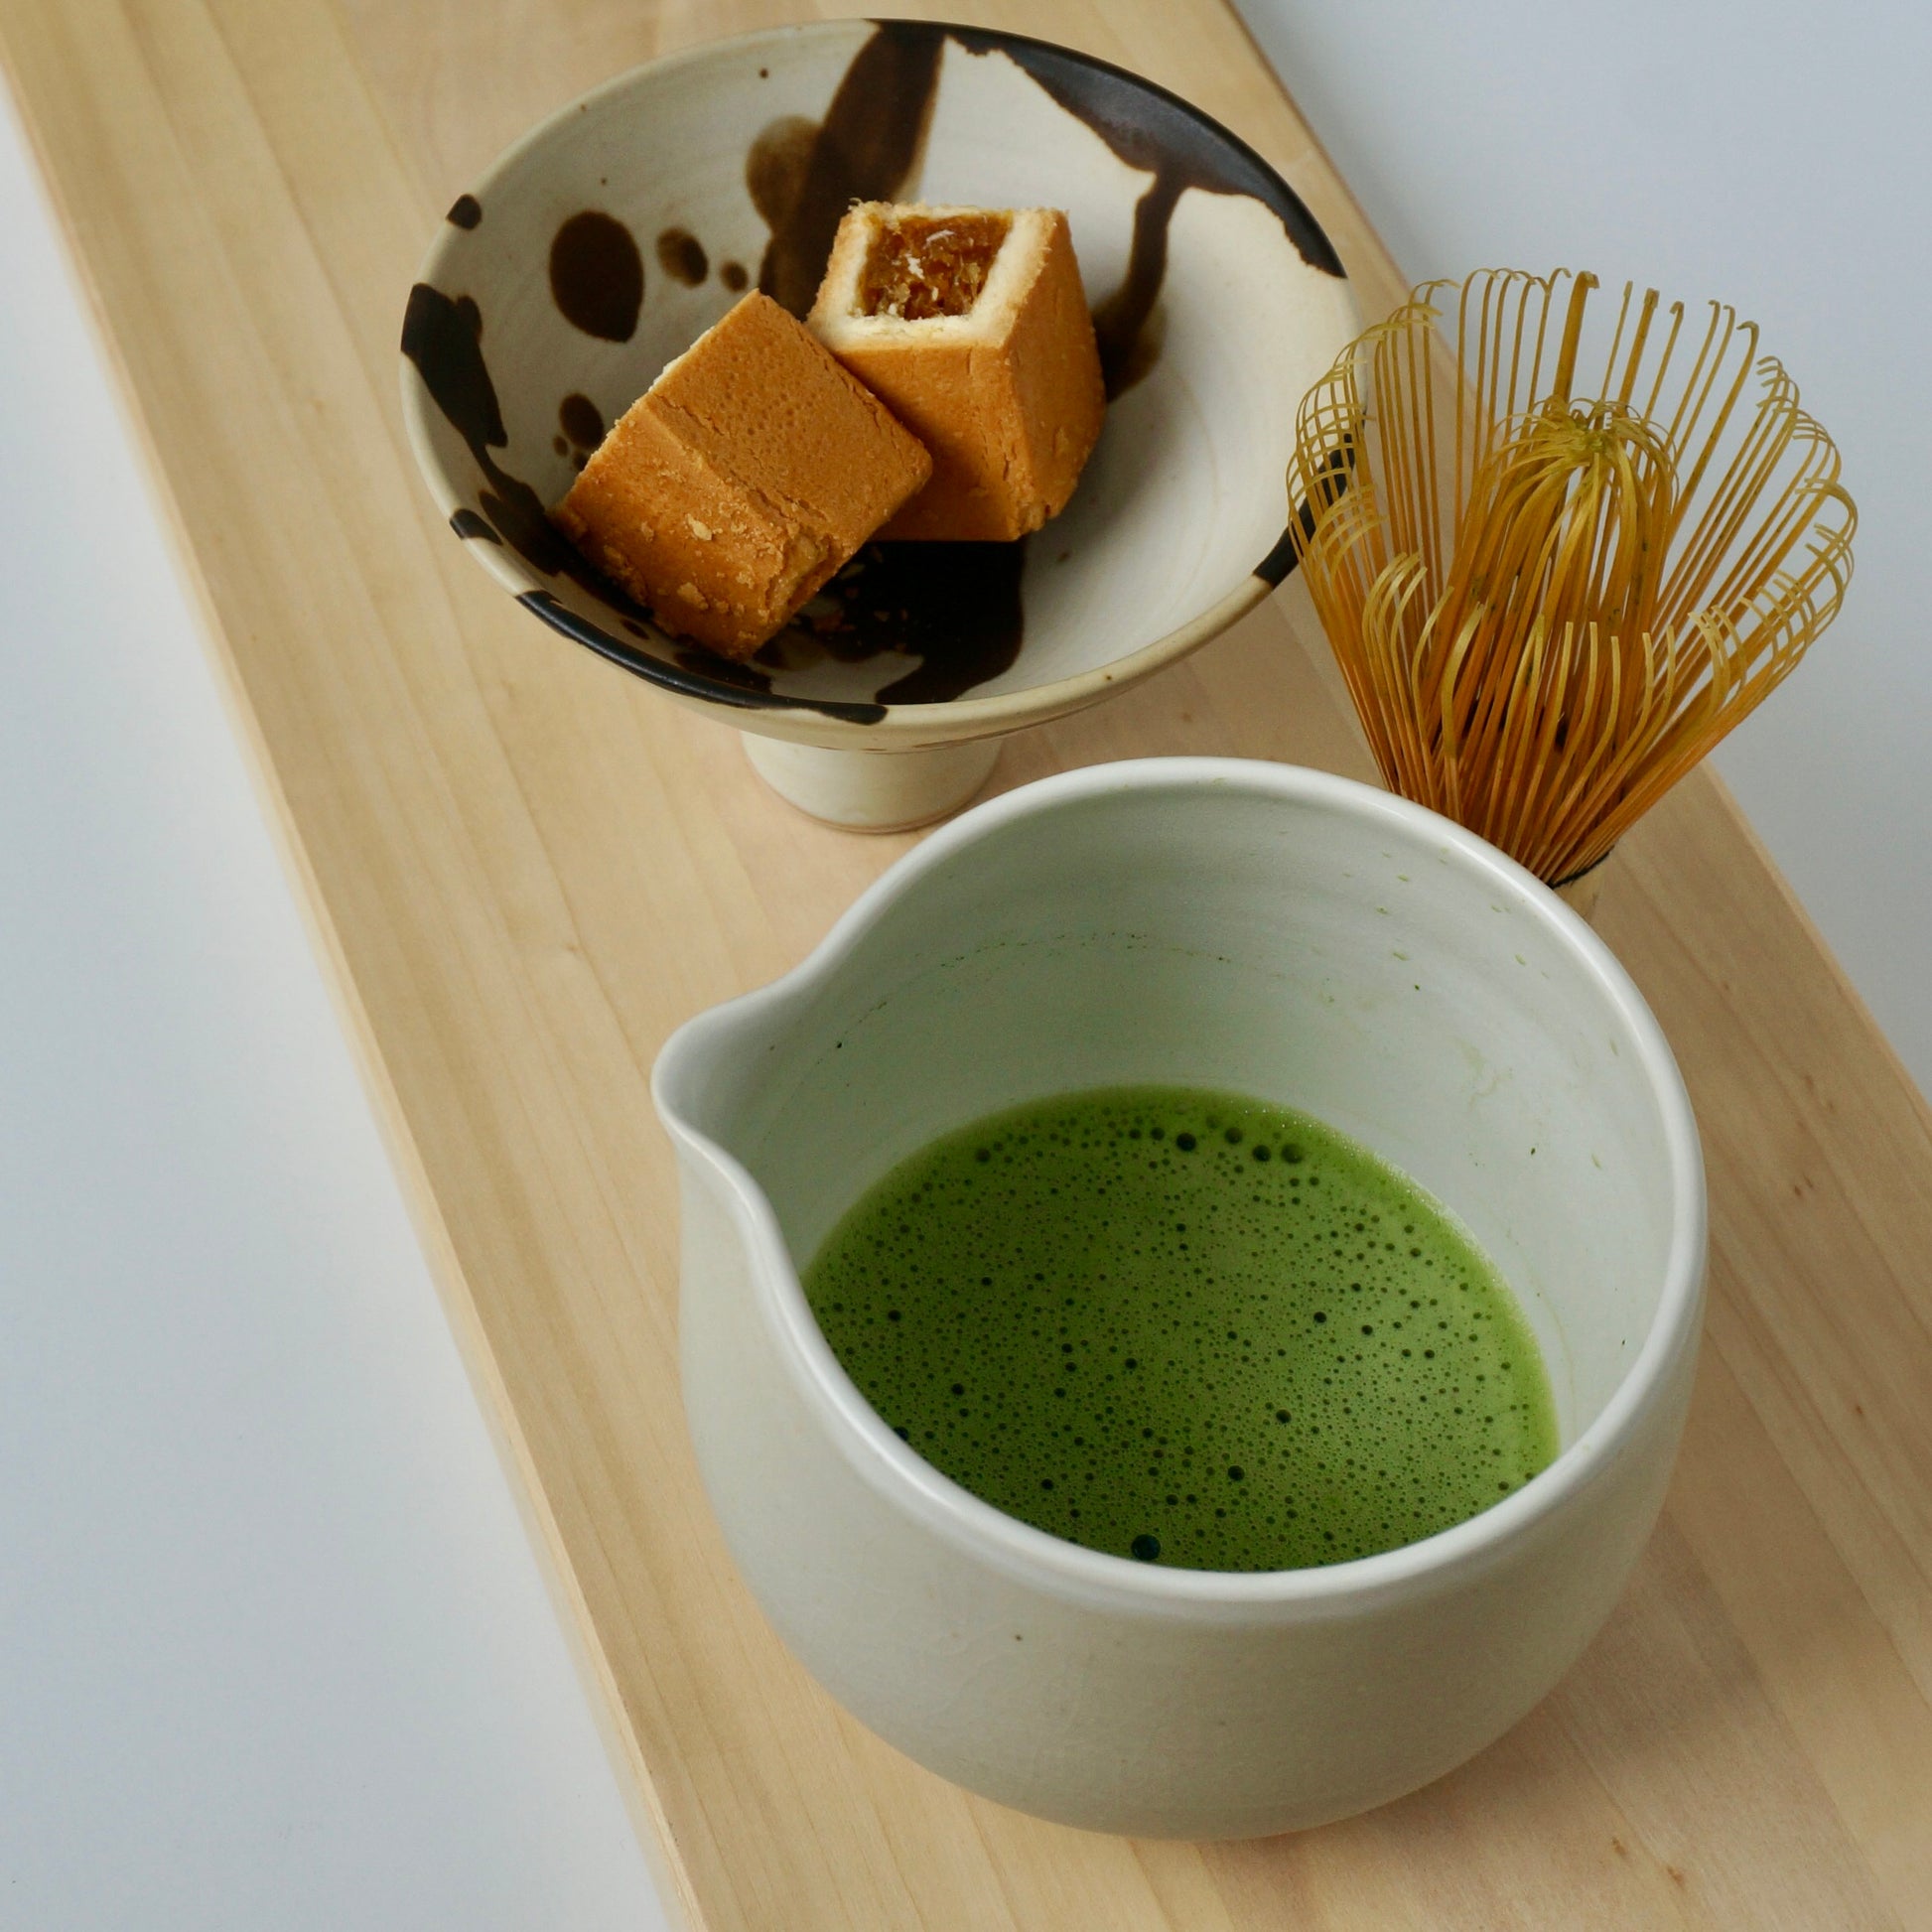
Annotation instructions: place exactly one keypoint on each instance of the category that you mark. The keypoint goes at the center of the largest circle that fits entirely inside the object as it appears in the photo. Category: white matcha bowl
(1224, 924)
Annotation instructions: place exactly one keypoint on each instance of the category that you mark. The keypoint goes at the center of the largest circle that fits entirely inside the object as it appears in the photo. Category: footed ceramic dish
(607, 240)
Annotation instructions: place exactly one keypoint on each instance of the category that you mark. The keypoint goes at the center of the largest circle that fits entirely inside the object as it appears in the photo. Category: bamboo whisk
(1548, 610)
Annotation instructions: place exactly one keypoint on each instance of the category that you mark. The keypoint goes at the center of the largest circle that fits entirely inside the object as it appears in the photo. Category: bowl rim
(1039, 1559)
(859, 725)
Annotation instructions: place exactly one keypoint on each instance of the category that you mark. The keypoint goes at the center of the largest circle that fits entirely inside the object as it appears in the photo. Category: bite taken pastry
(749, 472)
(971, 326)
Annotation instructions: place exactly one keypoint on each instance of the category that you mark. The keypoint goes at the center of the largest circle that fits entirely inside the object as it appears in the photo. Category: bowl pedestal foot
(873, 791)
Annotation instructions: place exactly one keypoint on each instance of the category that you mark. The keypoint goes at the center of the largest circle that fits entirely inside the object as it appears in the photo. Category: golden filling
(923, 265)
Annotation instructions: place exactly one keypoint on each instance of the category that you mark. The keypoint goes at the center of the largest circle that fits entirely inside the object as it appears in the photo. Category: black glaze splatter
(1337, 468)
(864, 149)
(747, 677)
(697, 674)
(953, 605)
(961, 612)
(1157, 133)
(775, 166)
(465, 212)
(597, 275)
(442, 337)
(467, 523)
(681, 255)
(583, 422)
(733, 275)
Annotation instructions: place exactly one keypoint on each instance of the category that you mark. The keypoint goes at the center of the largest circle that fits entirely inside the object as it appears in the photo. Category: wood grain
(524, 869)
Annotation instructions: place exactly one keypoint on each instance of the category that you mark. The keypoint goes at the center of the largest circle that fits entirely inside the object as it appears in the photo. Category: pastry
(971, 326)
(751, 470)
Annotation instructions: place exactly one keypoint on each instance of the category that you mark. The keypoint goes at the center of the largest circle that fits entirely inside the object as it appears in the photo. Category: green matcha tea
(1189, 1327)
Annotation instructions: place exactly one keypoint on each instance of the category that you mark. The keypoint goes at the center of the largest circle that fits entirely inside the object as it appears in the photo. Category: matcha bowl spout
(1225, 926)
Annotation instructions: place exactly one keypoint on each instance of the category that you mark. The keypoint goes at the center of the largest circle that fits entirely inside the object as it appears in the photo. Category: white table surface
(274, 1650)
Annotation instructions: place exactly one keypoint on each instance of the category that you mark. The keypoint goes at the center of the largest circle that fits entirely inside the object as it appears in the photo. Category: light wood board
(525, 868)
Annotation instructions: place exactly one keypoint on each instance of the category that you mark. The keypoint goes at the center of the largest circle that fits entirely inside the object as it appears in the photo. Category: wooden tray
(525, 868)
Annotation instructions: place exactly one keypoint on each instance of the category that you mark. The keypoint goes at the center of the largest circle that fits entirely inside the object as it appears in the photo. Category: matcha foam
(1189, 1327)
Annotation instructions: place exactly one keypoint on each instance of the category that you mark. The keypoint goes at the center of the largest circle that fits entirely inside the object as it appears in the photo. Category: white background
(274, 1651)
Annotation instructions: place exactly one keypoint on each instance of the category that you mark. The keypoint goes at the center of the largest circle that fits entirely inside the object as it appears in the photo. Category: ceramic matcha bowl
(610, 237)
(1209, 924)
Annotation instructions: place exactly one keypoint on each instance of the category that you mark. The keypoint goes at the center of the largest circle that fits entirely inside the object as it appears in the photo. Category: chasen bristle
(1547, 607)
